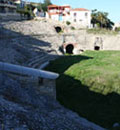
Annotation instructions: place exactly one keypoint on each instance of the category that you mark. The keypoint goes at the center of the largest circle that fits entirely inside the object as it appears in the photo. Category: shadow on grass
(63, 63)
(103, 110)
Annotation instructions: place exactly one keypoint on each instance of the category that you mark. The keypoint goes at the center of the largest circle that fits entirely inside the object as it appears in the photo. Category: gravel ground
(23, 109)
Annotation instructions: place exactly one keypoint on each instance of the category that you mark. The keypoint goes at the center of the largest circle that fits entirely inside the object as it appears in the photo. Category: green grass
(89, 84)
(102, 31)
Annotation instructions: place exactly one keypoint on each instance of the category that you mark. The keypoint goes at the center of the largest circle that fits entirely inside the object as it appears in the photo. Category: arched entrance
(69, 49)
(58, 29)
(97, 48)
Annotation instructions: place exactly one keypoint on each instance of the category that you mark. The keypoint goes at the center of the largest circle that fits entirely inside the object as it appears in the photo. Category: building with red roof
(79, 16)
(59, 13)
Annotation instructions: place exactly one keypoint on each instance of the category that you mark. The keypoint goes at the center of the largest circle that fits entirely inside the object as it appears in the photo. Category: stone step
(44, 65)
(37, 61)
(41, 61)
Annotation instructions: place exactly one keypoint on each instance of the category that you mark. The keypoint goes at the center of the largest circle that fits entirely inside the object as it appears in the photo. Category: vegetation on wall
(68, 22)
(27, 10)
(72, 28)
(102, 31)
(117, 29)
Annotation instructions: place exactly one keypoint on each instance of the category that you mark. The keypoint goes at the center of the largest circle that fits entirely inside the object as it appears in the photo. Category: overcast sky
(110, 6)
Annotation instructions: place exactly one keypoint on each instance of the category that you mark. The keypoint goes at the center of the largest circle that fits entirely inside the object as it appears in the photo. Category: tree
(94, 17)
(47, 2)
(44, 5)
(101, 19)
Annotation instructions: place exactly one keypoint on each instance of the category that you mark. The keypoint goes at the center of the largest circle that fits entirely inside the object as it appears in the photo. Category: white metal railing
(26, 71)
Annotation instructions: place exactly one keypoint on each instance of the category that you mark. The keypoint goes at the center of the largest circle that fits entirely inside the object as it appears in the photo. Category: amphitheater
(33, 44)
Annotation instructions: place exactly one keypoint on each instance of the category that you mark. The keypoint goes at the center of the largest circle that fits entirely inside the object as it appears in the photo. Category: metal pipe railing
(27, 71)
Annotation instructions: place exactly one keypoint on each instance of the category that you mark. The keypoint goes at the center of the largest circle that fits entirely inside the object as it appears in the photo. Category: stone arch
(69, 48)
(58, 29)
(98, 44)
(97, 48)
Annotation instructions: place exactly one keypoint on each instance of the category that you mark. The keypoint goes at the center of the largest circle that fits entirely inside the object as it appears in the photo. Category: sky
(110, 6)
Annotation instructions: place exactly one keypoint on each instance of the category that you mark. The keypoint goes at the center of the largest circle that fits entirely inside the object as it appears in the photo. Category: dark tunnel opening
(69, 49)
(58, 29)
(97, 48)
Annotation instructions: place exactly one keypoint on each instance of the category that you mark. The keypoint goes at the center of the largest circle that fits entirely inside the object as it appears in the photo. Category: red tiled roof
(54, 13)
(65, 6)
(52, 5)
(80, 9)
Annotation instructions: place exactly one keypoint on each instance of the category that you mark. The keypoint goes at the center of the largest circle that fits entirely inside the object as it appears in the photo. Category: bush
(68, 23)
(101, 31)
(117, 29)
(27, 13)
(72, 28)
(98, 25)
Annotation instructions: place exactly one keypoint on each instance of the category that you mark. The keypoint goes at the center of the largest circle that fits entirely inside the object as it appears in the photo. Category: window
(86, 14)
(75, 14)
(74, 20)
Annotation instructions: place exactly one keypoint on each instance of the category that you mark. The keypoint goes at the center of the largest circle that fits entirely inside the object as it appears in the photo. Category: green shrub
(101, 31)
(98, 25)
(25, 12)
(72, 28)
(68, 23)
(117, 29)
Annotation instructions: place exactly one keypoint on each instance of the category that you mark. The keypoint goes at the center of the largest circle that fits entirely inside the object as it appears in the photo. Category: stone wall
(43, 81)
(106, 42)
(42, 85)
(9, 16)
(89, 42)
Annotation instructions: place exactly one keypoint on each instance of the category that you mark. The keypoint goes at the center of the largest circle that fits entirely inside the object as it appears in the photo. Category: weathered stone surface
(23, 109)
(42, 30)
(21, 106)
(20, 48)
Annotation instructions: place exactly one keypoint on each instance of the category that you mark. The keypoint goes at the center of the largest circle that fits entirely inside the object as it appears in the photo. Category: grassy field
(102, 31)
(89, 84)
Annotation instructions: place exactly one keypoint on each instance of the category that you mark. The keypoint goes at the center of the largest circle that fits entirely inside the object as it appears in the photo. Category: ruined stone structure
(8, 10)
(98, 44)
(92, 42)
(71, 48)
(101, 42)
(44, 81)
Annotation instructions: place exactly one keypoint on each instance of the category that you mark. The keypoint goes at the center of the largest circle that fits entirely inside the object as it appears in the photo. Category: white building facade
(81, 16)
(78, 16)
(116, 25)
